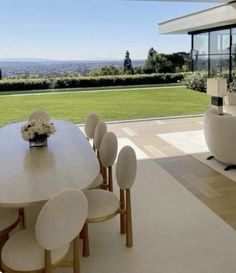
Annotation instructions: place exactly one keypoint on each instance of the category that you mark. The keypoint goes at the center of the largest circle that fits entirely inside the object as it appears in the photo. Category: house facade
(213, 32)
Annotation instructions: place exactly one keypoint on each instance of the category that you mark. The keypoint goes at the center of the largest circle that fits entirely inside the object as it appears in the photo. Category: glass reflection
(200, 44)
(220, 42)
(219, 65)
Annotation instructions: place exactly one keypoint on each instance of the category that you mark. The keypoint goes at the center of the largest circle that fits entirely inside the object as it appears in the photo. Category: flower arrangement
(37, 129)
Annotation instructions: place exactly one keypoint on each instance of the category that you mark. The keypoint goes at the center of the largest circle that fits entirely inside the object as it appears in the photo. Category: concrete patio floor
(184, 213)
(213, 189)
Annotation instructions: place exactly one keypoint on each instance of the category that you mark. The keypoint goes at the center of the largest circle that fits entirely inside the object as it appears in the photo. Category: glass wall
(233, 52)
(214, 52)
(200, 43)
(200, 52)
(200, 63)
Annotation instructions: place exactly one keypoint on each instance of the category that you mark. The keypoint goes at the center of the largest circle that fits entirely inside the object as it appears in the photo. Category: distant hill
(47, 67)
(24, 60)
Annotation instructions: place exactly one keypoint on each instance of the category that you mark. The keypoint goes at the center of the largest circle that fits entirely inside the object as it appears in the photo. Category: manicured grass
(110, 105)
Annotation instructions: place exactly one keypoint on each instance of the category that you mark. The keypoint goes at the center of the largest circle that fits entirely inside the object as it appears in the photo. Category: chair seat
(102, 204)
(8, 217)
(97, 182)
(22, 252)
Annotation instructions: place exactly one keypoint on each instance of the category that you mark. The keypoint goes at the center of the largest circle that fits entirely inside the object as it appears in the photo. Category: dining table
(31, 175)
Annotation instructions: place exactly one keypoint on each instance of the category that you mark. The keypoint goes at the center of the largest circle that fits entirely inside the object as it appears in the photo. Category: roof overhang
(197, 1)
(210, 18)
(207, 1)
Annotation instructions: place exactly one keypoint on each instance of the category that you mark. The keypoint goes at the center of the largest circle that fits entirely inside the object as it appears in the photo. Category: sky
(89, 29)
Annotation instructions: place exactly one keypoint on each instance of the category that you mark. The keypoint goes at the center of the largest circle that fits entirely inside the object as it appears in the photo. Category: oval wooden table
(30, 175)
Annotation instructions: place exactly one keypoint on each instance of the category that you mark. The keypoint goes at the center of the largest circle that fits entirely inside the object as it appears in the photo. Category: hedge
(24, 84)
(74, 82)
(196, 81)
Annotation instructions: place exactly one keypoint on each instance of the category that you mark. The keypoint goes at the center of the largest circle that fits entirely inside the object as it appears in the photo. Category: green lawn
(112, 104)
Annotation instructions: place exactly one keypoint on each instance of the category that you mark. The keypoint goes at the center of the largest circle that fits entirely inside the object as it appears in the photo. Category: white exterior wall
(215, 17)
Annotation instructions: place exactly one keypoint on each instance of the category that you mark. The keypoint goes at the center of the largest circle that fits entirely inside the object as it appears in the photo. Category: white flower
(37, 127)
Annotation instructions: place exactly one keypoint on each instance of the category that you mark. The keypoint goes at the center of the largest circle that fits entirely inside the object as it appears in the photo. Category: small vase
(38, 141)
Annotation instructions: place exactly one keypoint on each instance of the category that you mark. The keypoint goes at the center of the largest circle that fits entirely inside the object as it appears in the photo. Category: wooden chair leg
(110, 182)
(76, 258)
(129, 232)
(85, 240)
(122, 215)
(48, 261)
(104, 175)
(3, 240)
(22, 218)
(100, 164)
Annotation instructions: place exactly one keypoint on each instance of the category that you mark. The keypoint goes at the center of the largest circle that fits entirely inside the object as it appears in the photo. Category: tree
(0, 74)
(128, 68)
(138, 70)
(177, 60)
(105, 70)
(149, 66)
(165, 63)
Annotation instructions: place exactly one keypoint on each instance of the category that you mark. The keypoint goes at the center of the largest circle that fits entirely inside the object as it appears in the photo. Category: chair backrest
(90, 124)
(126, 167)
(108, 149)
(39, 115)
(61, 219)
(99, 132)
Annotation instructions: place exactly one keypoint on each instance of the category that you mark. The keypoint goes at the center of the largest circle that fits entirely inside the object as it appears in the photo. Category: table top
(29, 175)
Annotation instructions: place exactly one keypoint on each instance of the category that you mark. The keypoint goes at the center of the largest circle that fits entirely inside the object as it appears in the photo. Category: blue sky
(88, 29)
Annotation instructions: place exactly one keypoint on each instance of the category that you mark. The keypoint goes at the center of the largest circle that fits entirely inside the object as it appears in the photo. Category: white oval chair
(100, 131)
(41, 249)
(90, 125)
(9, 219)
(39, 115)
(108, 153)
(103, 205)
(96, 184)
(220, 136)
